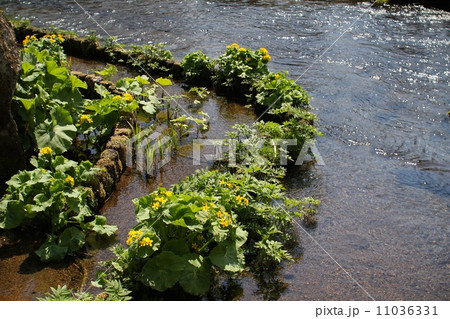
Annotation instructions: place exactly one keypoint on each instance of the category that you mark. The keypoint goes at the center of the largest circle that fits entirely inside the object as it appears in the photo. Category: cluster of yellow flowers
(51, 37)
(160, 200)
(229, 185)
(241, 199)
(225, 219)
(263, 51)
(126, 97)
(266, 58)
(133, 235)
(46, 150)
(146, 241)
(28, 39)
(85, 118)
(234, 45)
(69, 179)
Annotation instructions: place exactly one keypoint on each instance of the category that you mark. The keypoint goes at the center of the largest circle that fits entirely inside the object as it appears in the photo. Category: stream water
(381, 90)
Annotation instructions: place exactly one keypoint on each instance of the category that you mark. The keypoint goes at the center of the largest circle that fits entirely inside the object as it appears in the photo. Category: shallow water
(381, 92)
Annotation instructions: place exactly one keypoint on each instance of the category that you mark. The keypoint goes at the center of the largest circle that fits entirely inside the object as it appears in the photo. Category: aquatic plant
(210, 222)
(197, 68)
(152, 56)
(238, 68)
(113, 291)
(47, 102)
(52, 196)
(108, 72)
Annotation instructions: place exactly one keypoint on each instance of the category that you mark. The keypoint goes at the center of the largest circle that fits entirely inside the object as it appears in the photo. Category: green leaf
(50, 251)
(72, 238)
(99, 226)
(177, 246)
(196, 276)
(162, 271)
(239, 236)
(148, 107)
(58, 137)
(60, 73)
(60, 163)
(13, 216)
(28, 103)
(226, 257)
(101, 90)
(164, 81)
(77, 83)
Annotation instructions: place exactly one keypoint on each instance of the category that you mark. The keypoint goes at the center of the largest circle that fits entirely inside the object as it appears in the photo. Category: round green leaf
(72, 238)
(13, 216)
(196, 276)
(226, 257)
(164, 81)
(50, 251)
(162, 271)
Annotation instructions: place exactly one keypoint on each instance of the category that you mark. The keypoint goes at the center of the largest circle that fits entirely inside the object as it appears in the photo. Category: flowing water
(379, 80)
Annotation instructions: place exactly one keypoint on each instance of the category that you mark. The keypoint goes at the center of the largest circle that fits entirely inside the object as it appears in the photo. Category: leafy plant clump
(47, 103)
(210, 223)
(113, 291)
(52, 197)
(152, 56)
(238, 68)
(197, 68)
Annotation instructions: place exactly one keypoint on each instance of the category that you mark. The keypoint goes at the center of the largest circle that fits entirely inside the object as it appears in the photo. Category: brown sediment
(24, 277)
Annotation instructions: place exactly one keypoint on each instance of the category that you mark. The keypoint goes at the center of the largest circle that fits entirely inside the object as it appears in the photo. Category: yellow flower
(222, 182)
(161, 199)
(219, 214)
(195, 246)
(60, 38)
(156, 205)
(70, 180)
(266, 58)
(234, 45)
(46, 150)
(205, 206)
(85, 118)
(230, 185)
(249, 59)
(241, 199)
(146, 242)
(169, 193)
(242, 49)
(133, 235)
(117, 97)
(263, 51)
(225, 222)
(127, 97)
(50, 37)
(26, 40)
(277, 76)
